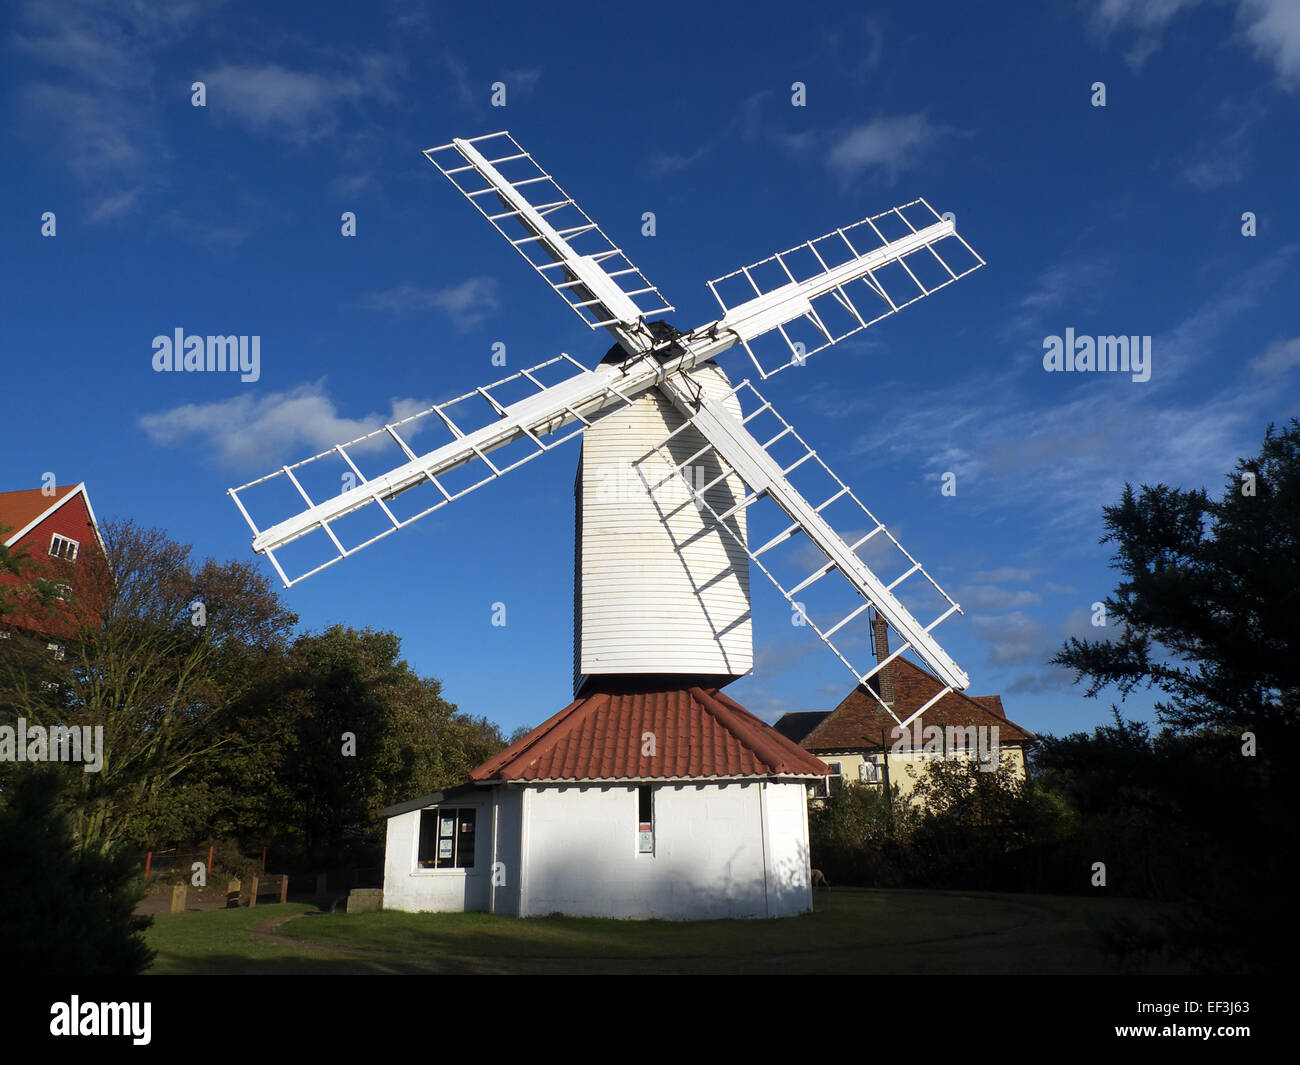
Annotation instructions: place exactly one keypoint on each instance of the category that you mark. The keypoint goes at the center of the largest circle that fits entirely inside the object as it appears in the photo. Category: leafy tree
(343, 728)
(63, 911)
(858, 835)
(1209, 603)
(135, 664)
(1202, 814)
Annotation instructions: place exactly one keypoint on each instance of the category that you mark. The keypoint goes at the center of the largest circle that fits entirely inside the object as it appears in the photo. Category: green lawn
(852, 931)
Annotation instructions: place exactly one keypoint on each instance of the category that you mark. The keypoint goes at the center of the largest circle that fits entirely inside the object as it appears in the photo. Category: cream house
(862, 743)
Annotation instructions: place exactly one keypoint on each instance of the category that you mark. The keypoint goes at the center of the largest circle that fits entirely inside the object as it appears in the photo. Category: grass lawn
(852, 931)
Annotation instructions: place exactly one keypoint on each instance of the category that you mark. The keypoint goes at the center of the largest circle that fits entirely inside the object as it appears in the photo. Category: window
(447, 838)
(869, 772)
(63, 591)
(645, 819)
(822, 789)
(57, 649)
(62, 547)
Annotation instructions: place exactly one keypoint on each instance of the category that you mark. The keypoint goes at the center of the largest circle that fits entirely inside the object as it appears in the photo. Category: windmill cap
(661, 331)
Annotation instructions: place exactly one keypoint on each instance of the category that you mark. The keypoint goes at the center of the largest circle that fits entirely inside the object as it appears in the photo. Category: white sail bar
(544, 224)
(741, 452)
(798, 302)
(582, 397)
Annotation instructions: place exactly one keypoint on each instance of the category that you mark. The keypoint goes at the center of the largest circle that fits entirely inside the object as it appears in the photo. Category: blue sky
(1122, 219)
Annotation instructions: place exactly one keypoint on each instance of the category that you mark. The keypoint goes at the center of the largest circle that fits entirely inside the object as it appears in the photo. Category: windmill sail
(525, 428)
(798, 302)
(544, 224)
(766, 477)
(794, 303)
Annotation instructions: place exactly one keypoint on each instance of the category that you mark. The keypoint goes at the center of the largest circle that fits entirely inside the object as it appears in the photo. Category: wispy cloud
(1279, 358)
(1146, 19)
(466, 304)
(214, 236)
(1074, 283)
(91, 104)
(885, 146)
(857, 47)
(1273, 29)
(243, 431)
(1013, 639)
(299, 106)
(992, 597)
(1269, 28)
(1058, 455)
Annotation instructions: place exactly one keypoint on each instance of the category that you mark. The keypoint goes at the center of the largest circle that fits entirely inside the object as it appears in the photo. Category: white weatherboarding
(779, 310)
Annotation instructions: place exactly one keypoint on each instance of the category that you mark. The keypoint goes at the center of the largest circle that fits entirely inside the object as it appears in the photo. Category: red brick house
(55, 532)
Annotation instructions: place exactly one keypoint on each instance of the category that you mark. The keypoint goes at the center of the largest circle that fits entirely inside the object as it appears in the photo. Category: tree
(1210, 601)
(135, 663)
(346, 727)
(1202, 814)
(63, 911)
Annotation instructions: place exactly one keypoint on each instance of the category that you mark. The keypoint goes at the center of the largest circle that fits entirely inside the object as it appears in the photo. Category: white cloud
(273, 101)
(248, 432)
(1014, 638)
(1279, 357)
(1003, 575)
(114, 205)
(1146, 18)
(991, 597)
(1273, 29)
(1062, 453)
(1070, 284)
(466, 304)
(94, 106)
(886, 145)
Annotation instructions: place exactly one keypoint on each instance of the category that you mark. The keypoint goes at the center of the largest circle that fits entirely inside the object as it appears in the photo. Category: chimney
(883, 681)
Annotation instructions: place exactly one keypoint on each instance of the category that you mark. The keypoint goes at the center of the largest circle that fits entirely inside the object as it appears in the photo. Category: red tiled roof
(860, 721)
(19, 509)
(698, 733)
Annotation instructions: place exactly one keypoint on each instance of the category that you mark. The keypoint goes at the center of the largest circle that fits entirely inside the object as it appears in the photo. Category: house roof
(432, 799)
(23, 510)
(860, 721)
(699, 733)
(795, 726)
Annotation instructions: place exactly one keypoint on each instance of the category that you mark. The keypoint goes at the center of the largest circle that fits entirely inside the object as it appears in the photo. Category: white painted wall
(408, 887)
(650, 598)
(721, 850)
(790, 889)
(714, 855)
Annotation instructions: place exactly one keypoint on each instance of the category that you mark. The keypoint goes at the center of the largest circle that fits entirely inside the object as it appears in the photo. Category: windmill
(660, 409)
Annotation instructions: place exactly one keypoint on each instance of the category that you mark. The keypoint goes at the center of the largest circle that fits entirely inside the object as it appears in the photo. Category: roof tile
(699, 733)
(860, 721)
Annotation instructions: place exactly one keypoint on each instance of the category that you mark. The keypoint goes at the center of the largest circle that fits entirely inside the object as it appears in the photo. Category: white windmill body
(652, 794)
(658, 589)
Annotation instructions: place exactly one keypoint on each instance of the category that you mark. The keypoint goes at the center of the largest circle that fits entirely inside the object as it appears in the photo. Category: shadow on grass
(851, 931)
